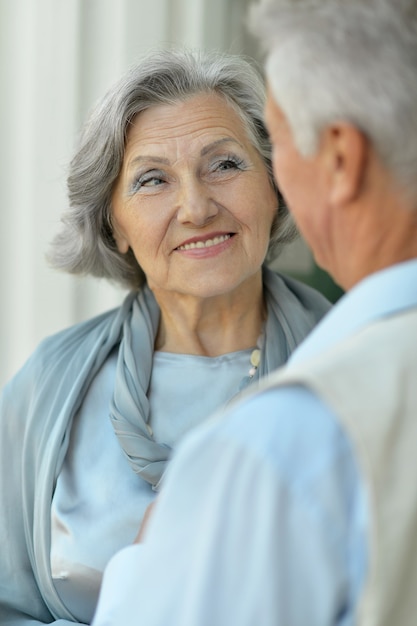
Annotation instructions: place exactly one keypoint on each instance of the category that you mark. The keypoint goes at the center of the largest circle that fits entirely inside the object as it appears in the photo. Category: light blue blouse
(40, 420)
(99, 502)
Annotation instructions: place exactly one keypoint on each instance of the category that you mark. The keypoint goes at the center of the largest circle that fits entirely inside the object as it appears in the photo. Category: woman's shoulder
(63, 350)
(72, 337)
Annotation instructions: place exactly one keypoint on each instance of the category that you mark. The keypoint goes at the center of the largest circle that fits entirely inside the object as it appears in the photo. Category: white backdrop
(57, 57)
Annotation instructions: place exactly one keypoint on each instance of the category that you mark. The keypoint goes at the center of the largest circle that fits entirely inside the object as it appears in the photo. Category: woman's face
(193, 199)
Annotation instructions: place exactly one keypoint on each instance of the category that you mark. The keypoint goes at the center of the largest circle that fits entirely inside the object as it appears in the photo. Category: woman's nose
(195, 204)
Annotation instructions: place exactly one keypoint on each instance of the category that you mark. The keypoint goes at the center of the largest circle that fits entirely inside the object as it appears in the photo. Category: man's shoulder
(287, 429)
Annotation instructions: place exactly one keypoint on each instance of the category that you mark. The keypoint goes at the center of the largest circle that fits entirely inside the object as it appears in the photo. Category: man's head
(343, 119)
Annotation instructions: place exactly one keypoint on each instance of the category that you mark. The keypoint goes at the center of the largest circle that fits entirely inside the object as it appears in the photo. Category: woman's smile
(201, 247)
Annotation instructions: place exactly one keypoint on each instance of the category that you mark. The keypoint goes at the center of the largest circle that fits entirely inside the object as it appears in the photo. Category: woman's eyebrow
(150, 157)
(163, 161)
(218, 142)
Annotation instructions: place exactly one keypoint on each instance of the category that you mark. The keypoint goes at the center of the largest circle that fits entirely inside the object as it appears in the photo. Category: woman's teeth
(204, 244)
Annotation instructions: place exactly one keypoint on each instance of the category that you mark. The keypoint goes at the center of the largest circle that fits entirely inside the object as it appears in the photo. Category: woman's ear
(346, 150)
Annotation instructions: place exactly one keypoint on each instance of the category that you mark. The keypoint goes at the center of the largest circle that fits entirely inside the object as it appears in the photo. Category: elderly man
(299, 504)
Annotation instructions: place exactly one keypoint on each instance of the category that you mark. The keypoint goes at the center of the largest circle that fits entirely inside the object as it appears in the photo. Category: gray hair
(350, 60)
(85, 244)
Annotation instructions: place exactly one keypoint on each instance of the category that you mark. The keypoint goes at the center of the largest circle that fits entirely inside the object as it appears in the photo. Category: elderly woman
(171, 194)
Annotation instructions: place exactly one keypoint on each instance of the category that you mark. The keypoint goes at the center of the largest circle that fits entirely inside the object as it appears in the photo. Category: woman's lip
(204, 242)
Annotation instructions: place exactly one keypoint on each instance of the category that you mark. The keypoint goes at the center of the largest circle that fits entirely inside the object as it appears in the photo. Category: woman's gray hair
(351, 60)
(85, 244)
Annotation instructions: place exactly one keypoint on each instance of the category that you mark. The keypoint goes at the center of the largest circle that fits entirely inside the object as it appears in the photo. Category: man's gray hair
(85, 244)
(346, 60)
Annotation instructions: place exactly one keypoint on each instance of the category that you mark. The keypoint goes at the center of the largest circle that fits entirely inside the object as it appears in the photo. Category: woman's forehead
(199, 117)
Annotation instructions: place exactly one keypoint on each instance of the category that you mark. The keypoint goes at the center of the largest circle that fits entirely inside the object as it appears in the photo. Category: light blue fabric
(98, 501)
(286, 326)
(174, 375)
(271, 525)
(38, 406)
(248, 537)
(382, 294)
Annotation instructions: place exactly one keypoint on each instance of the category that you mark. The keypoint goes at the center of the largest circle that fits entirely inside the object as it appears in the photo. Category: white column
(37, 113)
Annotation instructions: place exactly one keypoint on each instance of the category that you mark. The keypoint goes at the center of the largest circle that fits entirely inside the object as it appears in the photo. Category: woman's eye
(229, 163)
(148, 180)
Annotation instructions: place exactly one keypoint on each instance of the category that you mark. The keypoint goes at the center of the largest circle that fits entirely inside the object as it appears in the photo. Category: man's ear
(346, 153)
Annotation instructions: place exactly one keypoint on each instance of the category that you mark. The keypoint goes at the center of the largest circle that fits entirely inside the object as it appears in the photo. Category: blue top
(55, 411)
(98, 501)
(270, 526)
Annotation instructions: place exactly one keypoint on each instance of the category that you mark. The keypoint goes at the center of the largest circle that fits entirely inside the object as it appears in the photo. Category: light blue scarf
(293, 310)
(38, 405)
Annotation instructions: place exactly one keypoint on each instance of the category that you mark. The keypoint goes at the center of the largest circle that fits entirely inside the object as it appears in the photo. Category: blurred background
(57, 58)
